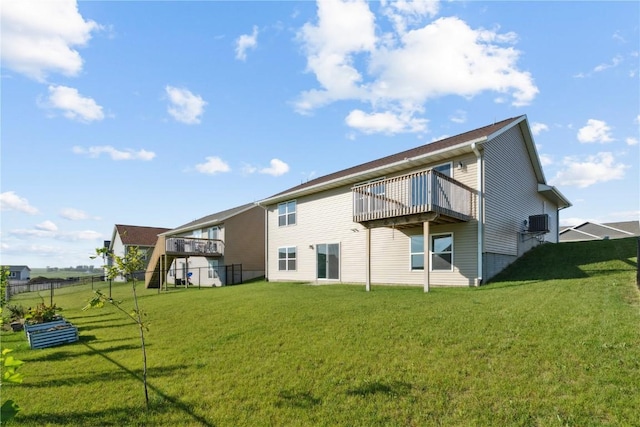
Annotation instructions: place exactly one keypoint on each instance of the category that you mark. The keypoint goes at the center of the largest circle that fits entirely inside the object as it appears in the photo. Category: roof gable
(211, 220)
(134, 235)
(448, 147)
(593, 230)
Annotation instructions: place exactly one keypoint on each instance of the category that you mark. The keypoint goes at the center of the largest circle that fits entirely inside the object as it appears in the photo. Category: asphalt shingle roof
(418, 151)
(139, 236)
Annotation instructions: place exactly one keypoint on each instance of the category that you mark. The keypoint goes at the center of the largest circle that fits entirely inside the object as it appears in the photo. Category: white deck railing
(415, 193)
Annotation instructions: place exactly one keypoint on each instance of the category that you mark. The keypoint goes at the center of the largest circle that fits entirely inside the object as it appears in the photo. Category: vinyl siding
(327, 218)
(391, 260)
(511, 195)
(244, 239)
(322, 218)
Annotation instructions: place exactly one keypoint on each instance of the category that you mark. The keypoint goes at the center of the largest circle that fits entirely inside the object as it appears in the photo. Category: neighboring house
(453, 212)
(219, 249)
(19, 273)
(595, 231)
(127, 236)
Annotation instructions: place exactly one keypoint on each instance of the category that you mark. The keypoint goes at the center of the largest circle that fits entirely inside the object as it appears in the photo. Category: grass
(553, 341)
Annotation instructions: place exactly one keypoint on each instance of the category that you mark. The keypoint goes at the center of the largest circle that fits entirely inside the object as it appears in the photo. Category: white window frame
(411, 253)
(212, 270)
(287, 259)
(450, 164)
(432, 253)
(213, 233)
(327, 261)
(287, 213)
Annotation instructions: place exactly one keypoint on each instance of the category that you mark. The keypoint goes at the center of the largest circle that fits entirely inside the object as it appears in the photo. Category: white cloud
(47, 226)
(127, 154)
(447, 57)
(583, 173)
(460, 116)
(73, 105)
(245, 42)
(401, 71)
(75, 214)
(536, 128)
(604, 66)
(41, 37)
(277, 168)
(404, 13)
(212, 166)
(42, 232)
(386, 122)
(343, 30)
(595, 131)
(185, 107)
(10, 201)
(546, 160)
(631, 141)
(248, 169)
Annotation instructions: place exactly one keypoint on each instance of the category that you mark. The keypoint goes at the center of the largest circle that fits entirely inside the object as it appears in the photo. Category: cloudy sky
(158, 113)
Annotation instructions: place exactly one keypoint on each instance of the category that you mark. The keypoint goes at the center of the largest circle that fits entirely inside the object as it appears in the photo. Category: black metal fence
(226, 275)
(49, 286)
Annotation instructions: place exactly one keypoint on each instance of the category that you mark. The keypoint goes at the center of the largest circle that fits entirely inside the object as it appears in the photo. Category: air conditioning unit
(539, 223)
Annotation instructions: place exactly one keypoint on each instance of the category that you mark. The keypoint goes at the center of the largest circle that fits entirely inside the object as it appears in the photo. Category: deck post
(368, 261)
(426, 263)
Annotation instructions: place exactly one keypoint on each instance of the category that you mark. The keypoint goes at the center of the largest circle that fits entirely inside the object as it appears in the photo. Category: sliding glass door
(328, 260)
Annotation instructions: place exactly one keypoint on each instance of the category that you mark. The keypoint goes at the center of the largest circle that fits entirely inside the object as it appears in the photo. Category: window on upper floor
(420, 185)
(213, 233)
(287, 258)
(287, 213)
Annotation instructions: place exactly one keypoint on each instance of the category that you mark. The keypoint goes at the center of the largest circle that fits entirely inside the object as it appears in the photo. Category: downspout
(480, 209)
(266, 241)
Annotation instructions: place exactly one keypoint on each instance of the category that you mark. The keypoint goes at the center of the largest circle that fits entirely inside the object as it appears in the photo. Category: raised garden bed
(49, 334)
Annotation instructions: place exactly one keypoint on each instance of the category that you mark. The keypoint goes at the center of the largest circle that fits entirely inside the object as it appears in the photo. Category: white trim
(416, 253)
(287, 213)
(287, 259)
(345, 180)
(339, 261)
(480, 211)
(431, 252)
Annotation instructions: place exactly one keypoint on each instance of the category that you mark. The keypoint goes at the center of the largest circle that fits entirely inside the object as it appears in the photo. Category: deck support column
(427, 266)
(368, 260)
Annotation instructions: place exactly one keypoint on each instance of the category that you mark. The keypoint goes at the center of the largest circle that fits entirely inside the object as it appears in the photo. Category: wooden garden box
(49, 334)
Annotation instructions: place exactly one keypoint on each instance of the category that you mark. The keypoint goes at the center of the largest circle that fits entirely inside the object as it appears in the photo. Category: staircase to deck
(158, 266)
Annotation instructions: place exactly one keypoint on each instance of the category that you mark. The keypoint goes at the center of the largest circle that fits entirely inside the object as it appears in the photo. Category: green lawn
(555, 341)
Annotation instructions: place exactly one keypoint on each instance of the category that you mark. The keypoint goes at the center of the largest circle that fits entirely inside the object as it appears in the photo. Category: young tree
(8, 364)
(126, 267)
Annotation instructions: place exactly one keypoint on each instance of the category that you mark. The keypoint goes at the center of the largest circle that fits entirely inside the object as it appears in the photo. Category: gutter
(480, 210)
(355, 177)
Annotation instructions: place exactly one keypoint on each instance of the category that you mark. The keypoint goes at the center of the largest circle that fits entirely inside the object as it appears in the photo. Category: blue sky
(158, 113)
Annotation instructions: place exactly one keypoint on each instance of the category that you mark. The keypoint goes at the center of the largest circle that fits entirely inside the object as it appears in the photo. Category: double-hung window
(287, 213)
(442, 252)
(417, 252)
(287, 258)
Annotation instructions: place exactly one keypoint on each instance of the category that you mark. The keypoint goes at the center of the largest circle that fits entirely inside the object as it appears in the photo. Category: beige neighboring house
(219, 249)
(595, 231)
(127, 236)
(454, 212)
